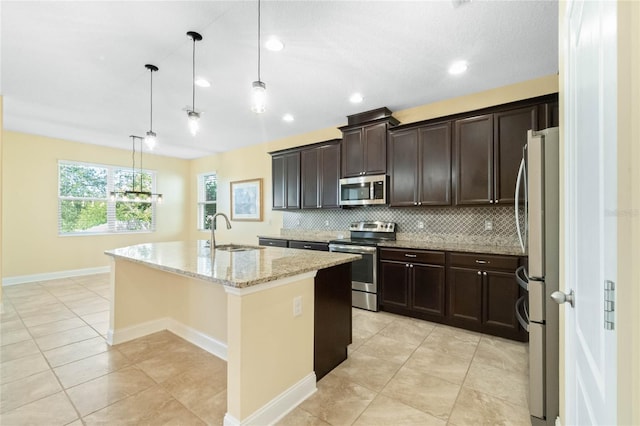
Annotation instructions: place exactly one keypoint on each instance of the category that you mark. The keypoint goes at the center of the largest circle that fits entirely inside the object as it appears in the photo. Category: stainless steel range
(364, 240)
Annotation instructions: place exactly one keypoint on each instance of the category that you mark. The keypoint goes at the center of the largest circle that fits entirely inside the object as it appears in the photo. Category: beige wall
(1, 257)
(31, 244)
(255, 162)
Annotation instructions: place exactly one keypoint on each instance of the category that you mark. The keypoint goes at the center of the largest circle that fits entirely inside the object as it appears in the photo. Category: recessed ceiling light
(274, 44)
(458, 67)
(288, 118)
(356, 98)
(202, 82)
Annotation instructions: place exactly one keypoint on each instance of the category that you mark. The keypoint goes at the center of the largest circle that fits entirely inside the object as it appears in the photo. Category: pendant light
(259, 89)
(136, 194)
(192, 115)
(150, 138)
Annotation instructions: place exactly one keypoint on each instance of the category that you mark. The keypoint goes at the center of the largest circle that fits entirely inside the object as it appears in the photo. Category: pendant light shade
(150, 138)
(192, 115)
(258, 88)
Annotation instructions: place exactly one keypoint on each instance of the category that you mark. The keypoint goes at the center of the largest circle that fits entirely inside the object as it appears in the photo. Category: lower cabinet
(482, 293)
(468, 290)
(412, 283)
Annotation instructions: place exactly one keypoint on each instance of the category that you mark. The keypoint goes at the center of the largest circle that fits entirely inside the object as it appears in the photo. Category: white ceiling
(75, 70)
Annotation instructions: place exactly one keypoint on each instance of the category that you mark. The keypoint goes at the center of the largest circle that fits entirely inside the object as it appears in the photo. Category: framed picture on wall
(246, 200)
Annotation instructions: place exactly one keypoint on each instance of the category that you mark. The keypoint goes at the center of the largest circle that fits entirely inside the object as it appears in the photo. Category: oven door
(364, 279)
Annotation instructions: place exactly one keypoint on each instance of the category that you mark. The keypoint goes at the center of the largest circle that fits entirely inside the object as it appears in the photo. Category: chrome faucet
(212, 222)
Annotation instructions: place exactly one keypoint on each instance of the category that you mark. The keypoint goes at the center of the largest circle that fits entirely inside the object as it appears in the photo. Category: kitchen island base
(269, 348)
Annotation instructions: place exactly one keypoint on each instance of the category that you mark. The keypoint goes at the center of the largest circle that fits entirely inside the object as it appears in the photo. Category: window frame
(201, 199)
(111, 204)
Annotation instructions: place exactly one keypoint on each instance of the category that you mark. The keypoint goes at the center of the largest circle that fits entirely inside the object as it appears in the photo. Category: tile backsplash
(421, 222)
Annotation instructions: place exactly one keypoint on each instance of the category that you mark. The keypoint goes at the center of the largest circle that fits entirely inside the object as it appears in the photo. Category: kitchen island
(255, 308)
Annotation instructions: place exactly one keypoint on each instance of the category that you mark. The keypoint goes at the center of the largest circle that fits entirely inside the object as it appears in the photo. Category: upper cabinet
(320, 172)
(420, 165)
(488, 150)
(285, 169)
(364, 143)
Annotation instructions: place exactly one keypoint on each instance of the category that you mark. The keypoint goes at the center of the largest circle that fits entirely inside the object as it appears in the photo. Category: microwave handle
(371, 190)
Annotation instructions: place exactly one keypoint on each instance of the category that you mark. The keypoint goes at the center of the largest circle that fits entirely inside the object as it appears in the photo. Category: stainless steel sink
(237, 247)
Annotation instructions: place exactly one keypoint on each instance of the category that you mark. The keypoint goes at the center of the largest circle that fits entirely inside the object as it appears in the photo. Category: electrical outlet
(488, 225)
(420, 225)
(297, 306)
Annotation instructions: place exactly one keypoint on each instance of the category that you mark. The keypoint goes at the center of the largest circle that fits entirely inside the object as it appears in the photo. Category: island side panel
(139, 303)
(270, 350)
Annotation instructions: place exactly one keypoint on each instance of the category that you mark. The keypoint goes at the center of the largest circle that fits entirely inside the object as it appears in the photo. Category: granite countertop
(235, 269)
(454, 246)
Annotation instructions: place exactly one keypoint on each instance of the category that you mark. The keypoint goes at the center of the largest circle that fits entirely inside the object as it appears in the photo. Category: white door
(590, 202)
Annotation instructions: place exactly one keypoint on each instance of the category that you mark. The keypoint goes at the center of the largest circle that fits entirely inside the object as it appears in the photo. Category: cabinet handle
(409, 255)
(479, 272)
(415, 204)
(307, 247)
(490, 201)
(483, 262)
(484, 273)
(410, 266)
(406, 265)
(420, 203)
(497, 201)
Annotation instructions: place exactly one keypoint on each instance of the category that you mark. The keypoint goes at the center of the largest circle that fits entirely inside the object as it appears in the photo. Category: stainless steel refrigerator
(537, 222)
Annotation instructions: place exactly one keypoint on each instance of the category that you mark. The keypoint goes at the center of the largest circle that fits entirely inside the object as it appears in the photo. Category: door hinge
(609, 305)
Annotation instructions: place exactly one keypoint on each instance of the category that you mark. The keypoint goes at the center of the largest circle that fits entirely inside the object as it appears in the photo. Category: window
(207, 198)
(84, 205)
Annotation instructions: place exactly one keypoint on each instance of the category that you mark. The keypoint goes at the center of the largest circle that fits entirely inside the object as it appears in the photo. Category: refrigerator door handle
(522, 178)
(524, 321)
(521, 277)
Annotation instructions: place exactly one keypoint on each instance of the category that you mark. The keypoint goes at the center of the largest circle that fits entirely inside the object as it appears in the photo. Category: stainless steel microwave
(363, 190)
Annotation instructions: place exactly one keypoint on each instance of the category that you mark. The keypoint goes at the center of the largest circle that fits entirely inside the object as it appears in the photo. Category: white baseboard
(280, 406)
(22, 279)
(208, 343)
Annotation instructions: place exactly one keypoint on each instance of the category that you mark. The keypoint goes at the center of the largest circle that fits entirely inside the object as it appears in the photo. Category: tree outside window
(207, 198)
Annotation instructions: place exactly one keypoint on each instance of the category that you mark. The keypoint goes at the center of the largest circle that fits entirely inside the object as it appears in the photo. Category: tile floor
(56, 369)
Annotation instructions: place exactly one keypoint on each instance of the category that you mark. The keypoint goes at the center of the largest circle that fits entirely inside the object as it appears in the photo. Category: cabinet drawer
(414, 256)
(272, 242)
(309, 245)
(483, 261)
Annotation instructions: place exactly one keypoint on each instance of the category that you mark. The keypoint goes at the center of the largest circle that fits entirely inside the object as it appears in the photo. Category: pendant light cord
(193, 101)
(151, 102)
(259, 79)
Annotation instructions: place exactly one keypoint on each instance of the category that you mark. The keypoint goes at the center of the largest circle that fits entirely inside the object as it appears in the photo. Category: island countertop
(238, 269)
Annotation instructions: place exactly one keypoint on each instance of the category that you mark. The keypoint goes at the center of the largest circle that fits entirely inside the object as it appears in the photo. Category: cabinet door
(403, 168)
(278, 179)
(292, 163)
(435, 161)
(510, 137)
(464, 294)
(329, 176)
(309, 169)
(352, 153)
(428, 289)
(501, 291)
(474, 160)
(549, 115)
(394, 285)
(375, 149)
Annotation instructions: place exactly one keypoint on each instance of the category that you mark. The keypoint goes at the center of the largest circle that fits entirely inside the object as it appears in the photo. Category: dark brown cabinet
(320, 175)
(364, 150)
(482, 293)
(272, 242)
(309, 245)
(420, 166)
(549, 115)
(285, 168)
(488, 150)
(413, 283)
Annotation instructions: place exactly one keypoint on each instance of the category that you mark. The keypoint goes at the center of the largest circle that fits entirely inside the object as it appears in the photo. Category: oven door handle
(523, 322)
(352, 249)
